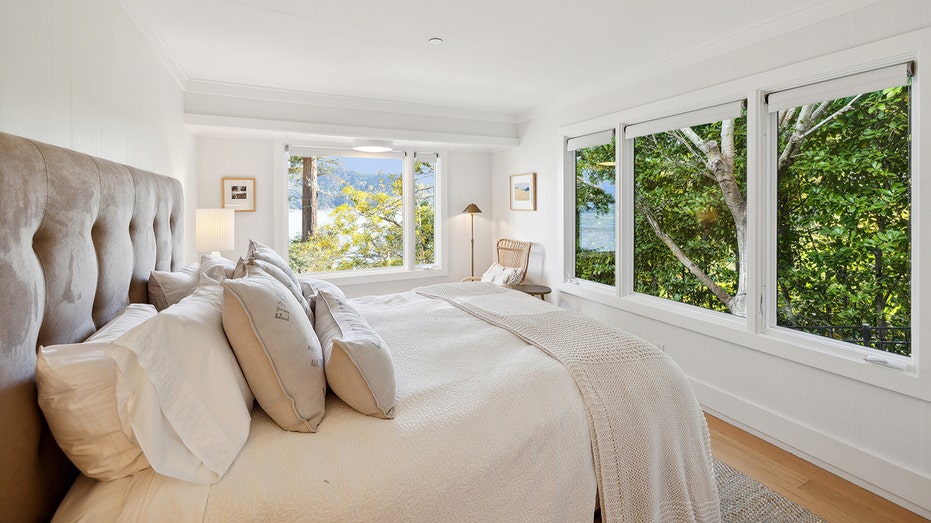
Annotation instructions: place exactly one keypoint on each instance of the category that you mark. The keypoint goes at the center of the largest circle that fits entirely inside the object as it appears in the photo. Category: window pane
(425, 211)
(690, 221)
(344, 213)
(843, 206)
(595, 227)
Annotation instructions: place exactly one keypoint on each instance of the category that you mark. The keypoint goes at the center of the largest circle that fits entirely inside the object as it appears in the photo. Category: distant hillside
(331, 186)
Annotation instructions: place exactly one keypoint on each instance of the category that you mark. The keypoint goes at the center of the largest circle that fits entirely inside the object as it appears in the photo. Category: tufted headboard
(78, 239)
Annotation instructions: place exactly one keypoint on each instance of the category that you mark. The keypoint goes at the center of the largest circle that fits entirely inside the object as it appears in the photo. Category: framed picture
(239, 194)
(524, 192)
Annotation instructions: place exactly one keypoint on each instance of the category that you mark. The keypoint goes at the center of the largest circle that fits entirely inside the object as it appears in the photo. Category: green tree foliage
(678, 195)
(366, 229)
(843, 211)
(594, 169)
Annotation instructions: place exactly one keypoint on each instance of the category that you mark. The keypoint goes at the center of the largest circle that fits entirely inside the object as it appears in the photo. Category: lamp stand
(472, 216)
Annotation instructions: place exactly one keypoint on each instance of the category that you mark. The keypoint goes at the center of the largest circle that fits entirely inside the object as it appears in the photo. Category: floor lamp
(472, 209)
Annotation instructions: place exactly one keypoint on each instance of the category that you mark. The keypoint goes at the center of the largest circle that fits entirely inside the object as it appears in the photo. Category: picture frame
(239, 194)
(523, 188)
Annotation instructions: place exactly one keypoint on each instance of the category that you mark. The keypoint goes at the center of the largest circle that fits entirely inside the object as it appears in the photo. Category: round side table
(534, 290)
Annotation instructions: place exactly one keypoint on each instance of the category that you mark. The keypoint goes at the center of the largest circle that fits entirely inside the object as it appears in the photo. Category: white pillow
(277, 349)
(501, 275)
(180, 390)
(357, 362)
(311, 286)
(77, 393)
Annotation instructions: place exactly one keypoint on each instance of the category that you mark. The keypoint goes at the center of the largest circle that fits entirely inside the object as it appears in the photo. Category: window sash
(867, 82)
(714, 113)
(590, 140)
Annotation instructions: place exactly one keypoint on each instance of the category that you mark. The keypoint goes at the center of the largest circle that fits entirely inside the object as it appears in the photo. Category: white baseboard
(899, 485)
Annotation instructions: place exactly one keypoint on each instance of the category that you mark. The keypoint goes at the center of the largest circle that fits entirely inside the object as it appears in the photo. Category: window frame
(408, 270)
(755, 332)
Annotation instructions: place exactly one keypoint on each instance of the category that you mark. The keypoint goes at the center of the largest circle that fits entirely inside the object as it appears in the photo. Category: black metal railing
(897, 340)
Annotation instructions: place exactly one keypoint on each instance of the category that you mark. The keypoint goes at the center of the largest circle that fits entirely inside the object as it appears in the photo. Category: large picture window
(690, 215)
(347, 210)
(594, 160)
(843, 210)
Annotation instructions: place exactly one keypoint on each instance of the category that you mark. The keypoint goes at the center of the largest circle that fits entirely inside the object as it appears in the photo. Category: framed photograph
(239, 194)
(524, 192)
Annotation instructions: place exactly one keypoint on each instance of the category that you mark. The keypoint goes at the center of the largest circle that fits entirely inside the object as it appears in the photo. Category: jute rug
(746, 500)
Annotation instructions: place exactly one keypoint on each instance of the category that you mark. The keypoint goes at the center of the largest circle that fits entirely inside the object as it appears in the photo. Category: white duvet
(487, 428)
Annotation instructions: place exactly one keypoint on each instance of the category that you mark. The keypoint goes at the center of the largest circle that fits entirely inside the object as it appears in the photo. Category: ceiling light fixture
(372, 146)
(435, 41)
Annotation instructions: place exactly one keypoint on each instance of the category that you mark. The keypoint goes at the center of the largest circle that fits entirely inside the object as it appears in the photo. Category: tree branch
(834, 115)
(720, 293)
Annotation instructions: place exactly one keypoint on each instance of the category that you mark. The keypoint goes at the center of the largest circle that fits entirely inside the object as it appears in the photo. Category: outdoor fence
(897, 340)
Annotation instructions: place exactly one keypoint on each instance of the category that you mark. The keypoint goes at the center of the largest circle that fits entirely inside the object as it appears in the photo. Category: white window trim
(838, 358)
(409, 270)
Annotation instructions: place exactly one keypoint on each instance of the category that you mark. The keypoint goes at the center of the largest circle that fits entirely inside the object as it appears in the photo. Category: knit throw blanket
(650, 443)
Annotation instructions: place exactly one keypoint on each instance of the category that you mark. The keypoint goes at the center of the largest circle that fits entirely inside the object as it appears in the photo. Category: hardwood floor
(830, 497)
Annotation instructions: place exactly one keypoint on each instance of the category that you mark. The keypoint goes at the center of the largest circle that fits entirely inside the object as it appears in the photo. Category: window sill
(835, 357)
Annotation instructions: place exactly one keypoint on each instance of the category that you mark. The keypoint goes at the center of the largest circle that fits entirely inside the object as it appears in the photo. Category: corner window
(347, 210)
(843, 205)
(594, 158)
(690, 208)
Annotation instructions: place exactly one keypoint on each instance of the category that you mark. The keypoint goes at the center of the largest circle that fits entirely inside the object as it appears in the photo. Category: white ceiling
(505, 56)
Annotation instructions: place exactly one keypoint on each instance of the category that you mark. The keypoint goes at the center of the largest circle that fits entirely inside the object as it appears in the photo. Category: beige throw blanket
(649, 438)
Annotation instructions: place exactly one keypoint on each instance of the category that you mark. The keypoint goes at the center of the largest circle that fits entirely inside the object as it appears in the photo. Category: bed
(504, 408)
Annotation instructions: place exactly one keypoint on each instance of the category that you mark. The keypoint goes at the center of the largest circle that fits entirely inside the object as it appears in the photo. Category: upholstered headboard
(78, 239)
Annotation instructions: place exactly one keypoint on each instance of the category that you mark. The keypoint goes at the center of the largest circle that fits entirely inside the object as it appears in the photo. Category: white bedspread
(650, 441)
(487, 428)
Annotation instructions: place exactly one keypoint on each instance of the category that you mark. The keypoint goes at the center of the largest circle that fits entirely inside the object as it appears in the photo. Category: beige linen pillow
(77, 394)
(358, 365)
(277, 349)
(265, 253)
(169, 287)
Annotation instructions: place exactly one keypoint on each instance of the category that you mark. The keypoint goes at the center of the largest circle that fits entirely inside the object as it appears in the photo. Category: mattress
(487, 428)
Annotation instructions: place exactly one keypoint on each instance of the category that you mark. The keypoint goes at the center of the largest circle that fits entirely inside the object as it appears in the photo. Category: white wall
(78, 74)
(468, 176)
(879, 438)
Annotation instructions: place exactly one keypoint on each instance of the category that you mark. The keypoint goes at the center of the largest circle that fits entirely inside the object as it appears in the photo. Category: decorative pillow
(169, 287)
(286, 279)
(277, 349)
(358, 365)
(216, 268)
(180, 390)
(501, 275)
(77, 393)
(265, 253)
(310, 287)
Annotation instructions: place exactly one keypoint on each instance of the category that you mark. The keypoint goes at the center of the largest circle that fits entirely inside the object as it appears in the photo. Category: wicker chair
(511, 253)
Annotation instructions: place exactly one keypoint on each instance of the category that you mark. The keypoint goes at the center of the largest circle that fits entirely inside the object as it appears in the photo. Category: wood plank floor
(829, 496)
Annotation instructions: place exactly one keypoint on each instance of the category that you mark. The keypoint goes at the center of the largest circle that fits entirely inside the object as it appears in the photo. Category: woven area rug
(746, 500)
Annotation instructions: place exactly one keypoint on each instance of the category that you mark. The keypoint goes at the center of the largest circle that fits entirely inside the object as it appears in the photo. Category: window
(594, 161)
(690, 210)
(425, 208)
(843, 239)
(348, 210)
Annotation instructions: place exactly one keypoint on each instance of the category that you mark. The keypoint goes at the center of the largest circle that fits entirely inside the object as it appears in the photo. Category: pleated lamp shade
(215, 230)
